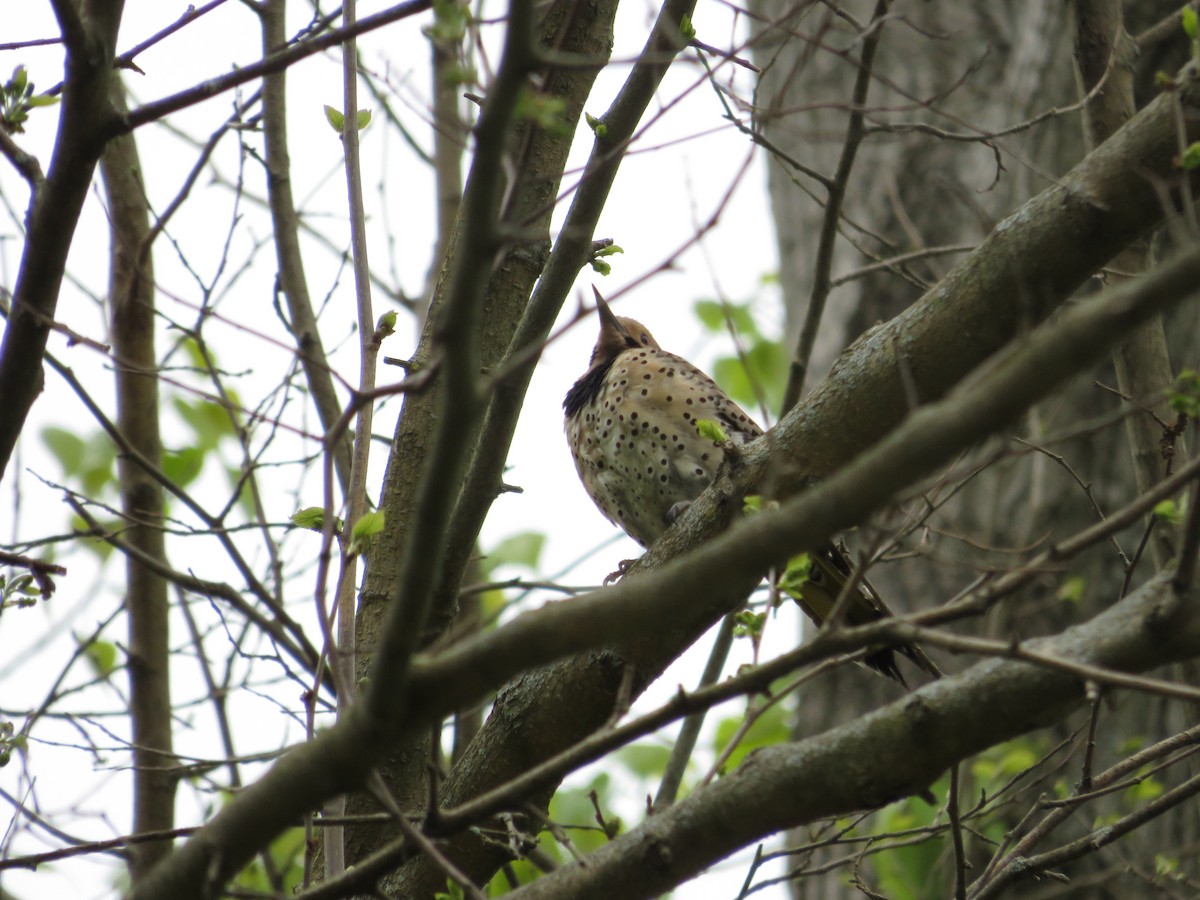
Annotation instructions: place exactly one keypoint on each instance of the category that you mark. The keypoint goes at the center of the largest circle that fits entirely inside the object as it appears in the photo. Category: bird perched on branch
(640, 425)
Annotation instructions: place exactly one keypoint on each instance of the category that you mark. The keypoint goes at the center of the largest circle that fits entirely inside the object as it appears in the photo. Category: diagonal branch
(457, 333)
(888, 754)
(276, 62)
(929, 437)
(1095, 208)
(661, 603)
(1021, 273)
(54, 209)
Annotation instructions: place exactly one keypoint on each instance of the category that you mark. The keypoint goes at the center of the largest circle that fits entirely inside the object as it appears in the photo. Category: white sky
(656, 206)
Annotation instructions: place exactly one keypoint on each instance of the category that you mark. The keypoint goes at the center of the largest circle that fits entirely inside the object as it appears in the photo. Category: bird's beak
(608, 322)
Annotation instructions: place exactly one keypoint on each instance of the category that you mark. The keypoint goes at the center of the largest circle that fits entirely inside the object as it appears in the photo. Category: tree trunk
(913, 189)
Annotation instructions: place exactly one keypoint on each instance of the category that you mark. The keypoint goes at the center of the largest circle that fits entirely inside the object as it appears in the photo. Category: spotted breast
(631, 421)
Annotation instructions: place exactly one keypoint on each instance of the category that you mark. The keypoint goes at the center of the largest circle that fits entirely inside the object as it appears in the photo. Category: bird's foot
(623, 568)
(676, 510)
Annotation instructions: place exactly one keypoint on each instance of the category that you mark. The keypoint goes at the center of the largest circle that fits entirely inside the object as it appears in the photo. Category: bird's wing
(829, 572)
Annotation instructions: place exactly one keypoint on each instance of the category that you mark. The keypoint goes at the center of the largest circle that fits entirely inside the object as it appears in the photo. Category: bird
(638, 423)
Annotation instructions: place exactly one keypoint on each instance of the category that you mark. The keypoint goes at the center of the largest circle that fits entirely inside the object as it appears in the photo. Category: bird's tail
(828, 573)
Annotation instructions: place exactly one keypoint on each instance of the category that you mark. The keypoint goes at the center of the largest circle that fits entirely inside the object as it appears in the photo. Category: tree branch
(836, 194)
(132, 295)
(302, 321)
(54, 211)
(277, 62)
(668, 607)
(891, 753)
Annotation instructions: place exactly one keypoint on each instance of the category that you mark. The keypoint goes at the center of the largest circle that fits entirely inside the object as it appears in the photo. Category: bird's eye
(645, 338)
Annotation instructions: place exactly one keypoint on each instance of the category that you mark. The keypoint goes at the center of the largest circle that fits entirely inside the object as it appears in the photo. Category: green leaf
(287, 860)
(183, 466)
(768, 729)
(456, 75)
(610, 250)
(209, 421)
(492, 603)
(67, 447)
(913, 872)
(103, 657)
(644, 760)
(523, 549)
(1167, 866)
(87, 459)
(1144, 791)
(368, 525)
(1191, 25)
(450, 21)
(335, 118)
(1170, 511)
(387, 324)
(195, 355)
(102, 548)
(765, 367)
(597, 125)
(312, 518)
(796, 574)
(362, 118)
(574, 805)
(712, 313)
(686, 28)
(1185, 396)
(749, 624)
(1191, 157)
(245, 496)
(1071, 590)
(21, 584)
(1004, 761)
(544, 110)
(600, 267)
(711, 430)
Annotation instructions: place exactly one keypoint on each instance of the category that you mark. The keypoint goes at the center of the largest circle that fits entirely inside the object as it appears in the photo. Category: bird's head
(618, 334)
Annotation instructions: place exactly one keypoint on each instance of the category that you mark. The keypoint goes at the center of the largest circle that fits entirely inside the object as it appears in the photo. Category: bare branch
(276, 62)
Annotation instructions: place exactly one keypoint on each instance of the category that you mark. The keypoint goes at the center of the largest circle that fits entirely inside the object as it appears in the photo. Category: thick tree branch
(662, 606)
(457, 336)
(1021, 273)
(54, 210)
(570, 254)
(302, 321)
(881, 757)
(1104, 56)
(1029, 265)
(132, 295)
(928, 438)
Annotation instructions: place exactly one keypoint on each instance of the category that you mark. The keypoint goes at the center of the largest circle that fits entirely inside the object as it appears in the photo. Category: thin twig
(833, 211)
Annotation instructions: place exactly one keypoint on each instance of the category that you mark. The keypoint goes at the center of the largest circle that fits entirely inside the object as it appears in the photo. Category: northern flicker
(632, 422)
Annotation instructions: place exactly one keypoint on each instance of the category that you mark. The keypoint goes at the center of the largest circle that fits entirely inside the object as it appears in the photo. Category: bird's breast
(636, 443)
